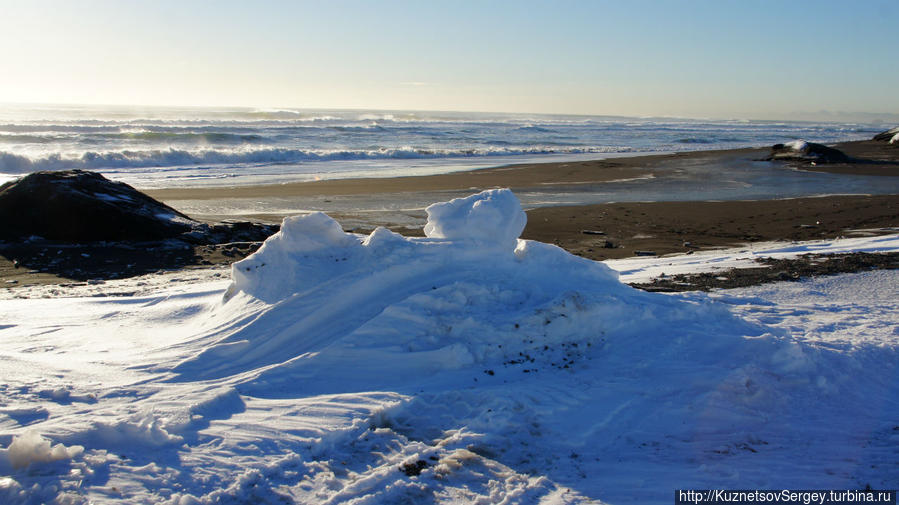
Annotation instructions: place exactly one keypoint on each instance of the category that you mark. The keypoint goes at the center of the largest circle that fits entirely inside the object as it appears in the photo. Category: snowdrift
(467, 366)
(317, 310)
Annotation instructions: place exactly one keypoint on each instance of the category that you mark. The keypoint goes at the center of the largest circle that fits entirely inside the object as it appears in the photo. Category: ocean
(167, 147)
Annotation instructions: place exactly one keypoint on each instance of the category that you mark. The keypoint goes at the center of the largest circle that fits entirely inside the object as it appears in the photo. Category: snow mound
(492, 217)
(299, 256)
(311, 249)
(325, 311)
(30, 447)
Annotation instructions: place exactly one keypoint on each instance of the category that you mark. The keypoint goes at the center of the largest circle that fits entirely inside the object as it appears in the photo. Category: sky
(706, 59)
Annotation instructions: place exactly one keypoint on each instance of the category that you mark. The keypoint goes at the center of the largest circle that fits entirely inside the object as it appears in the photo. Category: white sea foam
(92, 160)
(249, 142)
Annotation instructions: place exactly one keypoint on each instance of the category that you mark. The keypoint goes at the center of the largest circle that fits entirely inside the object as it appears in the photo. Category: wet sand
(870, 157)
(874, 158)
(513, 176)
(679, 227)
(621, 230)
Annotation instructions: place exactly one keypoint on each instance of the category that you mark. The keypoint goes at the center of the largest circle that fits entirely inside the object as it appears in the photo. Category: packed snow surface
(467, 366)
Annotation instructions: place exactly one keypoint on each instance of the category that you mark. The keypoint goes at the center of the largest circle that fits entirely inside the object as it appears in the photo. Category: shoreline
(661, 226)
(876, 159)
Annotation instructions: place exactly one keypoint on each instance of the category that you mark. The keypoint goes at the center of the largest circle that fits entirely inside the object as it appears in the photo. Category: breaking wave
(16, 163)
(209, 137)
(39, 135)
(185, 142)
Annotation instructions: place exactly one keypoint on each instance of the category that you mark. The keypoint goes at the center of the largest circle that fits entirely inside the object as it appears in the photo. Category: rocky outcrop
(799, 150)
(78, 206)
(83, 206)
(78, 225)
(891, 136)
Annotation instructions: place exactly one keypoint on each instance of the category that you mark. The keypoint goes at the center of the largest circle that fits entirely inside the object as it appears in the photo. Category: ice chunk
(492, 217)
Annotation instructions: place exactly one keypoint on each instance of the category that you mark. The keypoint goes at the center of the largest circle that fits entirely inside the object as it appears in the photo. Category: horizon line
(883, 116)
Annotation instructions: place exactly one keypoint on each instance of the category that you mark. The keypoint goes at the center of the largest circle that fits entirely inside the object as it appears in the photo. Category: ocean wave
(29, 139)
(64, 128)
(17, 163)
(98, 135)
(692, 140)
(174, 136)
(359, 128)
(535, 128)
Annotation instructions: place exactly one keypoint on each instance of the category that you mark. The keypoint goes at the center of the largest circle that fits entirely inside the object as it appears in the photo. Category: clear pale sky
(730, 59)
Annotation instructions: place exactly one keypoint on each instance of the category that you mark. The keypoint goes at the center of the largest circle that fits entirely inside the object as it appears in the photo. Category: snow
(644, 269)
(30, 447)
(287, 262)
(490, 217)
(332, 367)
(799, 146)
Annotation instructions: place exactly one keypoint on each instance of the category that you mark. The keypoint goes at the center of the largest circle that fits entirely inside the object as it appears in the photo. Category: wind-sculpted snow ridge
(344, 313)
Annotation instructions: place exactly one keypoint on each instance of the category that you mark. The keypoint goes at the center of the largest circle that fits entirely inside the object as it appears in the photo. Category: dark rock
(414, 469)
(888, 135)
(83, 206)
(78, 206)
(99, 229)
(241, 231)
(808, 152)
